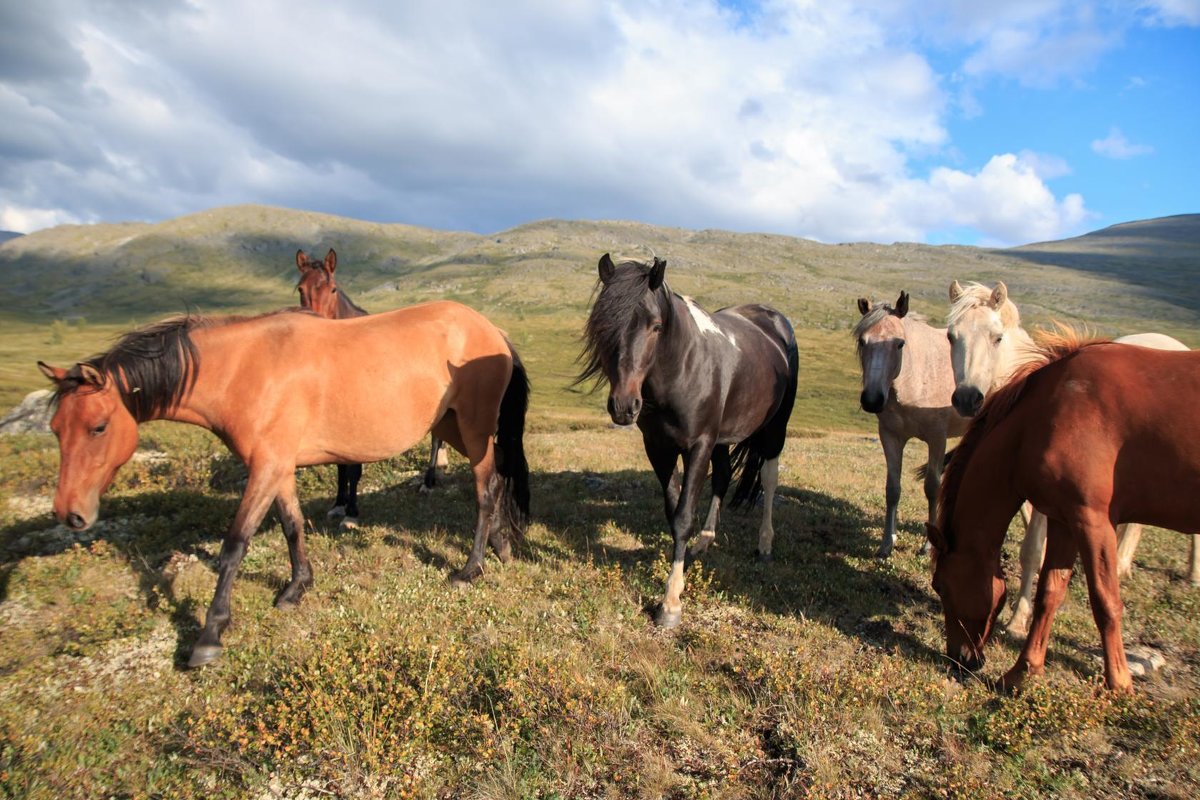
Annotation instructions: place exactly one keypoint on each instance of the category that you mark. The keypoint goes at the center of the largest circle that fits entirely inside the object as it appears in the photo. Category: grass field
(820, 674)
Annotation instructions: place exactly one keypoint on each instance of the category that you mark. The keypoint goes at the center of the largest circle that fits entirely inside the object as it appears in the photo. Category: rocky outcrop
(31, 416)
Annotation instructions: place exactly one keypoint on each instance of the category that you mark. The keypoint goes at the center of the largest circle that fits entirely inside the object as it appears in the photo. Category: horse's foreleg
(260, 489)
(1098, 547)
(288, 506)
(353, 475)
(893, 452)
(1033, 548)
(769, 476)
(1129, 535)
(1051, 590)
(933, 481)
(722, 472)
(663, 458)
(695, 469)
(339, 503)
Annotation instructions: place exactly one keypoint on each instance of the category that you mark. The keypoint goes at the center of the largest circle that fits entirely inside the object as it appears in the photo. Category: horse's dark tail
(510, 448)
(920, 472)
(766, 443)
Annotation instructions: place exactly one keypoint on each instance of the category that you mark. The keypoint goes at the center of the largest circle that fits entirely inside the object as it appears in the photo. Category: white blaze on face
(704, 322)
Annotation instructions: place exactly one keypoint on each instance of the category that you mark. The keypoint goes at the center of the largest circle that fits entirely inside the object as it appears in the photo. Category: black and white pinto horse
(696, 385)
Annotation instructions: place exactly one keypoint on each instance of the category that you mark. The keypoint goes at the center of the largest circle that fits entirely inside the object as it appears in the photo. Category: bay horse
(696, 384)
(1093, 434)
(987, 342)
(906, 379)
(320, 293)
(261, 384)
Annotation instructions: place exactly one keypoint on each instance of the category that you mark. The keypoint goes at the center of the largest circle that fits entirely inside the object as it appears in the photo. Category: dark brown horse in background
(262, 385)
(696, 384)
(320, 293)
(1093, 435)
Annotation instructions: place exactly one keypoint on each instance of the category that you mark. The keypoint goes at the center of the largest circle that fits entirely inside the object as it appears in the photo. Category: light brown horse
(1094, 435)
(262, 385)
(906, 383)
(987, 343)
(319, 292)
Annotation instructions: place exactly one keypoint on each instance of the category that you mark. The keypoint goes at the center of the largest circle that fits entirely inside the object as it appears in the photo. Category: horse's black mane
(615, 305)
(153, 367)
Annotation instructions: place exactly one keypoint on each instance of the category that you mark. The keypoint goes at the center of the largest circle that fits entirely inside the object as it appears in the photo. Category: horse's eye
(657, 327)
(900, 345)
(333, 290)
(99, 429)
(999, 338)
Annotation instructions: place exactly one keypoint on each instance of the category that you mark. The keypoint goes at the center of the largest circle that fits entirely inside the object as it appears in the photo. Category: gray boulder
(31, 416)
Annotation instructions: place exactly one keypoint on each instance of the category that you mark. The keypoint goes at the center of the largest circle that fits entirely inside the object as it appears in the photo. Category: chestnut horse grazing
(1094, 435)
(262, 385)
(906, 383)
(695, 384)
(319, 293)
(987, 343)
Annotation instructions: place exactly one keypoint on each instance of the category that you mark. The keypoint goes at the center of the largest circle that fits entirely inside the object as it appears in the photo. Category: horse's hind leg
(1194, 561)
(1128, 536)
(769, 475)
(260, 488)
(1033, 548)
(288, 506)
(722, 473)
(488, 486)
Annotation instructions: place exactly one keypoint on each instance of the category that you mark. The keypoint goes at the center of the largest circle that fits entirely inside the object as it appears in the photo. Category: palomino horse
(695, 384)
(905, 378)
(987, 343)
(1093, 434)
(262, 385)
(319, 293)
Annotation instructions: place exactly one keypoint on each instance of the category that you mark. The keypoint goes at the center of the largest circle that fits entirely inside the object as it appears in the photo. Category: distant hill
(6, 235)
(241, 258)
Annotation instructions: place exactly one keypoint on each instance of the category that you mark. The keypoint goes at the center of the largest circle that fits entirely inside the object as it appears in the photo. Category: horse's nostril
(636, 406)
(75, 521)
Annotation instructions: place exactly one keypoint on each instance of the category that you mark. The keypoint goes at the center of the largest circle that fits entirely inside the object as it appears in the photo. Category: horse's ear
(301, 261)
(657, 272)
(999, 294)
(606, 268)
(936, 539)
(56, 374)
(901, 305)
(956, 291)
(90, 375)
(331, 261)
(864, 305)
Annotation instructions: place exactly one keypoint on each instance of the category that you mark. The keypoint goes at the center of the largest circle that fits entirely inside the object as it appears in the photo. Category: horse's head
(620, 341)
(973, 592)
(96, 435)
(317, 287)
(879, 337)
(980, 319)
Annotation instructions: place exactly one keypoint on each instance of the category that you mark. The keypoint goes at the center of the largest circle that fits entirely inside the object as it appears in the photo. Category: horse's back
(1156, 341)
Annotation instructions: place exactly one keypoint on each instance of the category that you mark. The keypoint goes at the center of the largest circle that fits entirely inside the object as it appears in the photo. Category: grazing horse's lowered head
(879, 338)
(622, 333)
(973, 592)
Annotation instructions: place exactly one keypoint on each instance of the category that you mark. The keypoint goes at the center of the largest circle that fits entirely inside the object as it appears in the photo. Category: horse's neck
(679, 339)
(346, 308)
(1014, 349)
(986, 498)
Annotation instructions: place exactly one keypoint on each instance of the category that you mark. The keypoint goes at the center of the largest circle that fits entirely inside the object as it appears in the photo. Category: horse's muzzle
(75, 521)
(968, 658)
(625, 410)
(967, 400)
(872, 402)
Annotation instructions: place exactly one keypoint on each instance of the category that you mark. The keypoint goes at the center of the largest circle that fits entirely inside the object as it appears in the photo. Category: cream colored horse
(987, 343)
(905, 378)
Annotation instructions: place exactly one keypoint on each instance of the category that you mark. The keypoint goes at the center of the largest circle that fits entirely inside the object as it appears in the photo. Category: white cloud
(802, 118)
(1115, 145)
(25, 220)
(1171, 13)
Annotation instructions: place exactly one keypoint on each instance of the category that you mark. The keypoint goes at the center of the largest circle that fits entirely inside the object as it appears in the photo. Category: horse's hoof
(203, 654)
(765, 558)
(349, 523)
(668, 619)
(335, 512)
(465, 577)
(289, 598)
(884, 551)
(424, 488)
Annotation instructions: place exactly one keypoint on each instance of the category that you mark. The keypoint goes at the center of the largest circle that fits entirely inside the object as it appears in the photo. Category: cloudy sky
(916, 120)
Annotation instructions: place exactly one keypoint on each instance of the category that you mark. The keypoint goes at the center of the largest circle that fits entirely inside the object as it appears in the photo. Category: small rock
(32, 415)
(1143, 661)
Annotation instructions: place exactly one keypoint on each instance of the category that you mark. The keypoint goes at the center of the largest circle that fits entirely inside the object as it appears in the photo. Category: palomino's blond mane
(1049, 346)
(976, 295)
